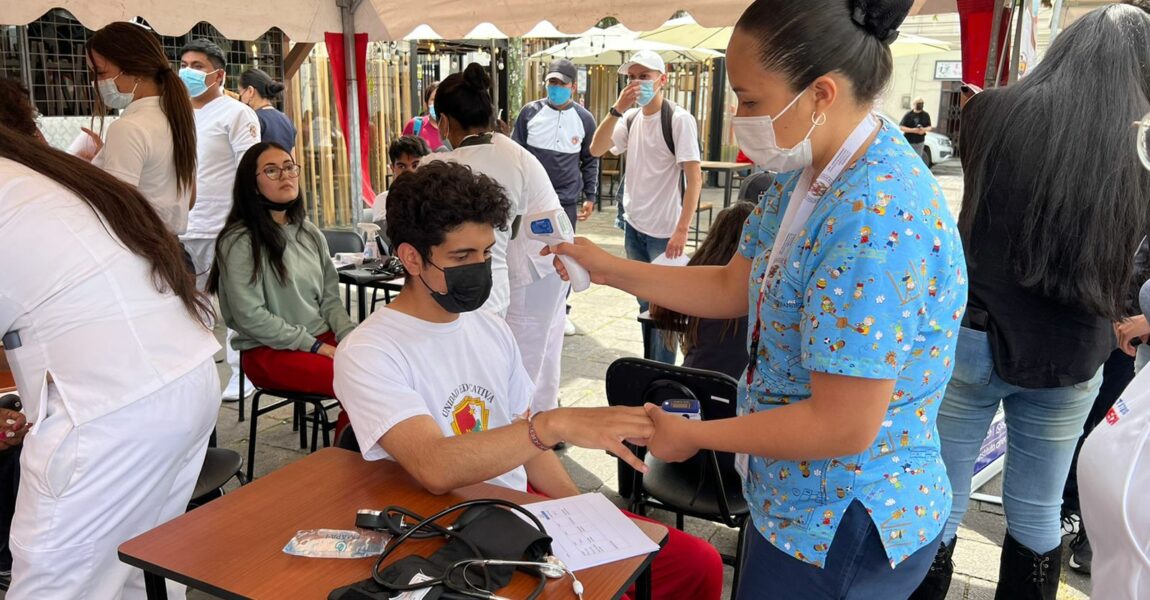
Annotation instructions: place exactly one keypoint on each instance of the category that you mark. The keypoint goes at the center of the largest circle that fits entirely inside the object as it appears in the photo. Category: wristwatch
(615, 113)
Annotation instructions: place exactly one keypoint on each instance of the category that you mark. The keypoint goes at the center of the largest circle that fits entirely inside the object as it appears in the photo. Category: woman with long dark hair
(258, 90)
(109, 344)
(277, 286)
(851, 273)
(1053, 210)
(712, 344)
(152, 146)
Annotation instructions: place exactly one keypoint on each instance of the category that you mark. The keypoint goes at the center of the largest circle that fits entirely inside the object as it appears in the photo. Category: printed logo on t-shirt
(468, 407)
(255, 133)
(1116, 412)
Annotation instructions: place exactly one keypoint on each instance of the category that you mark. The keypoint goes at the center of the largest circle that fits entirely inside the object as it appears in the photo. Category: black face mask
(277, 206)
(918, 107)
(468, 286)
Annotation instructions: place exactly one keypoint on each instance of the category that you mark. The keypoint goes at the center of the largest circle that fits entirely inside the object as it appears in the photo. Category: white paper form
(588, 531)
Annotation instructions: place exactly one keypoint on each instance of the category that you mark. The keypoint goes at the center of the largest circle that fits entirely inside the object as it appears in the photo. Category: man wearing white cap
(663, 144)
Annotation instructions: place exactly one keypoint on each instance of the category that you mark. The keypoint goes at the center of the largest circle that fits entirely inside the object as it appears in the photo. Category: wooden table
(233, 547)
(730, 168)
(7, 383)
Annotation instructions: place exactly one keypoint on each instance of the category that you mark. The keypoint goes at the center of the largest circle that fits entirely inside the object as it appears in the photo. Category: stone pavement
(607, 330)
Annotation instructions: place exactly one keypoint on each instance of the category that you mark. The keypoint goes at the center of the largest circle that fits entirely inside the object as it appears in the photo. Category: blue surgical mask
(646, 92)
(195, 81)
(558, 95)
(431, 112)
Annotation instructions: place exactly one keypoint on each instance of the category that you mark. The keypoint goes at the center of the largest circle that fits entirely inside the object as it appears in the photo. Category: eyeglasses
(275, 173)
(1144, 140)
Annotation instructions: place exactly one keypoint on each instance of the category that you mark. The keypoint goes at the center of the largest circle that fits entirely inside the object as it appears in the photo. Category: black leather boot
(1026, 575)
(937, 581)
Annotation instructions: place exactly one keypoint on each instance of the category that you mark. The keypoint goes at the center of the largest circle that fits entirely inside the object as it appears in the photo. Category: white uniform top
(87, 310)
(225, 129)
(139, 151)
(467, 375)
(515, 263)
(1113, 482)
(651, 199)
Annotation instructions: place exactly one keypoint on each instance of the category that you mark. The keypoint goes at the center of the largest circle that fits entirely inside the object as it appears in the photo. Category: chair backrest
(347, 440)
(342, 240)
(637, 381)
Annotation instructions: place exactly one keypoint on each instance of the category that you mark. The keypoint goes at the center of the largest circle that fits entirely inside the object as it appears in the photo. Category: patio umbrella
(684, 31)
(612, 46)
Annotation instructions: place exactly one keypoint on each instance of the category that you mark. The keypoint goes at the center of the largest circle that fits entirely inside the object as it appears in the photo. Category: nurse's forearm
(841, 418)
(707, 292)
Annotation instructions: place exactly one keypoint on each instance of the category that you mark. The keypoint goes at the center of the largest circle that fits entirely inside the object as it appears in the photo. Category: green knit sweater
(281, 315)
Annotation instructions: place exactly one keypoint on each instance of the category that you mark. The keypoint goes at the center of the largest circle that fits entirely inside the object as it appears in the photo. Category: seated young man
(404, 155)
(418, 374)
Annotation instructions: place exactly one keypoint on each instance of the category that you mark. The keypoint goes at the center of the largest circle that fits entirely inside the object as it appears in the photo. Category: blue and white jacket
(561, 140)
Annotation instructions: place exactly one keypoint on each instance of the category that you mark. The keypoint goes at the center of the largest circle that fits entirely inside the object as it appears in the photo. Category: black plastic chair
(220, 466)
(347, 440)
(343, 240)
(705, 486)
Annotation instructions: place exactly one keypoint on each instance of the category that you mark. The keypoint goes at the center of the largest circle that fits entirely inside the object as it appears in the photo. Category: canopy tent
(308, 20)
(686, 32)
(612, 45)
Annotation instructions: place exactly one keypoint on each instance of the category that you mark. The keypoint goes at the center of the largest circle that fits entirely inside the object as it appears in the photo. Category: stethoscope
(393, 520)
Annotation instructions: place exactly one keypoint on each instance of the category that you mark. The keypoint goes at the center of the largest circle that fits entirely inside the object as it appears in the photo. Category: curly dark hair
(16, 110)
(426, 204)
(410, 145)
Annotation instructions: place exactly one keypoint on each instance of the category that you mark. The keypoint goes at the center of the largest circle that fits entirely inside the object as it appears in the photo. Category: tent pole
(1016, 52)
(991, 78)
(355, 159)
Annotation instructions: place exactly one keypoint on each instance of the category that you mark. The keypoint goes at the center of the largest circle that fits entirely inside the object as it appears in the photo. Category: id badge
(742, 464)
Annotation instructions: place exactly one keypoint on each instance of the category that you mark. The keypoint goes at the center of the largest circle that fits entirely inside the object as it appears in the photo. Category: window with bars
(48, 55)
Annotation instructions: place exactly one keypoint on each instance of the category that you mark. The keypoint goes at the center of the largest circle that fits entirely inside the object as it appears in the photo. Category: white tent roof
(307, 20)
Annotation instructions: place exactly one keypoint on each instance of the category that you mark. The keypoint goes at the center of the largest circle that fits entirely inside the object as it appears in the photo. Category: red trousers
(294, 371)
(686, 567)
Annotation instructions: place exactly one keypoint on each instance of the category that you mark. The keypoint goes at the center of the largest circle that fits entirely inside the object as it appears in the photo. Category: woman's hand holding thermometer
(553, 227)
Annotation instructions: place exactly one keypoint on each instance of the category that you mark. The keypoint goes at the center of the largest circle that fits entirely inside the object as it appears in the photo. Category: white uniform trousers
(203, 253)
(537, 315)
(85, 490)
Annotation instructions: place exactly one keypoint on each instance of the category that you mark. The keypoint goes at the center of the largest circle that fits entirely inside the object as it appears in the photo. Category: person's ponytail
(177, 107)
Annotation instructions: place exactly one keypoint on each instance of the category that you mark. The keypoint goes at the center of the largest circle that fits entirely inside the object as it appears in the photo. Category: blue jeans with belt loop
(1042, 429)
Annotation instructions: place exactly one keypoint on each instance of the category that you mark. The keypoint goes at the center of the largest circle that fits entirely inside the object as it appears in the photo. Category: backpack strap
(666, 114)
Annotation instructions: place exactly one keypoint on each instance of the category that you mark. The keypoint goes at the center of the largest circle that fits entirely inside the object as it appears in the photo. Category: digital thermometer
(553, 227)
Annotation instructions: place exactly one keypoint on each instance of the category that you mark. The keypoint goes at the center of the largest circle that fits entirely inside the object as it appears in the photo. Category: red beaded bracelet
(535, 435)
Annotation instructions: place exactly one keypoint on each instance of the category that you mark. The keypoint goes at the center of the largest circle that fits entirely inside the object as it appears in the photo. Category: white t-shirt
(87, 310)
(652, 202)
(225, 129)
(515, 262)
(379, 209)
(139, 151)
(467, 375)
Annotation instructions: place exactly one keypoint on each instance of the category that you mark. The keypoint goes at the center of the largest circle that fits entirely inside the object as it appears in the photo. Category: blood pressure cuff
(495, 532)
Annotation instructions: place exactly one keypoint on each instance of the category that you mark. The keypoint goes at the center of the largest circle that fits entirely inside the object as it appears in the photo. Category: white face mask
(112, 96)
(756, 138)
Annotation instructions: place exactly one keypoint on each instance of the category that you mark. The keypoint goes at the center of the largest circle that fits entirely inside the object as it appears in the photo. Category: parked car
(937, 148)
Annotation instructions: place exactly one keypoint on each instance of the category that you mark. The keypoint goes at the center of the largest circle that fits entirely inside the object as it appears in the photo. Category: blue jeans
(640, 246)
(1042, 430)
(857, 566)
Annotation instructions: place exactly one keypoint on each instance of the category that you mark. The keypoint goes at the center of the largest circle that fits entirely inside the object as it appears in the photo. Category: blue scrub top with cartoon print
(874, 287)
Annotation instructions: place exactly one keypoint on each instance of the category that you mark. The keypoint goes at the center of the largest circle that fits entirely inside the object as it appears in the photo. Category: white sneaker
(232, 392)
(569, 327)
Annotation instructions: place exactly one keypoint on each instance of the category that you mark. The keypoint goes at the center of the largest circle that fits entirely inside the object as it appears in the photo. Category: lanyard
(803, 200)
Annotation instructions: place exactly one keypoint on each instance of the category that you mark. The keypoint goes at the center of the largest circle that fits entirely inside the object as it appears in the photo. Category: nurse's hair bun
(476, 77)
(880, 18)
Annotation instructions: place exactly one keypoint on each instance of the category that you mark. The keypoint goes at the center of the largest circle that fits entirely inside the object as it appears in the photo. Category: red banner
(976, 20)
(334, 43)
